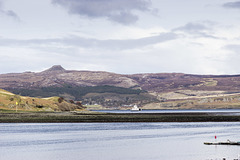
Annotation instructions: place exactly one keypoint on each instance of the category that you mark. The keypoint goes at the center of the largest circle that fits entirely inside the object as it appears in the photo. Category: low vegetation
(71, 117)
(110, 90)
(13, 102)
(76, 91)
(108, 96)
(221, 101)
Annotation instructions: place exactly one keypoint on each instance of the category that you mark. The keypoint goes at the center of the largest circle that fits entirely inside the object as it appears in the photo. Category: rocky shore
(89, 117)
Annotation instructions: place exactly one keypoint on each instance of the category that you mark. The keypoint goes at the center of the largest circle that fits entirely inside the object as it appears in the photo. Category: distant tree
(79, 104)
(60, 99)
(71, 101)
(17, 98)
(39, 106)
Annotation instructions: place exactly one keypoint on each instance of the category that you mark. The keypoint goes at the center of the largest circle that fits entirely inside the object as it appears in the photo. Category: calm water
(117, 141)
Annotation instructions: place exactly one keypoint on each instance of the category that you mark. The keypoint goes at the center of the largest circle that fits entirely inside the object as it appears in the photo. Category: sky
(121, 36)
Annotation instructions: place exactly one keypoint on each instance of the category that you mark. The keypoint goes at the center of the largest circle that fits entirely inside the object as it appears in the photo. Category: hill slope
(10, 101)
(57, 76)
(103, 87)
(152, 82)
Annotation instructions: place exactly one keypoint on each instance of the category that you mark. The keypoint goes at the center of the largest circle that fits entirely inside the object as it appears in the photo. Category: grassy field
(12, 102)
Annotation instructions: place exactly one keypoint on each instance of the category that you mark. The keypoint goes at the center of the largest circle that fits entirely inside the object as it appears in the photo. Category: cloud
(235, 4)
(120, 11)
(192, 27)
(233, 47)
(109, 44)
(233, 57)
(199, 29)
(8, 13)
(139, 43)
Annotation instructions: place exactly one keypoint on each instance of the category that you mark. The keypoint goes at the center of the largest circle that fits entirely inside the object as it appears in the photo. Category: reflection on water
(117, 141)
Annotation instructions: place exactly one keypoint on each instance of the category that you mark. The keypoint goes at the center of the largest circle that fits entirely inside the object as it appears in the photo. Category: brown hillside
(57, 76)
(170, 89)
(165, 82)
(158, 82)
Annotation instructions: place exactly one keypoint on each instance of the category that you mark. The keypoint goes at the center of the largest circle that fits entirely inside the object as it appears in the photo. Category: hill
(10, 101)
(149, 90)
(57, 76)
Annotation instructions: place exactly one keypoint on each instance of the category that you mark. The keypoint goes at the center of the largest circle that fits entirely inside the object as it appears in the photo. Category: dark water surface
(117, 141)
(228, 111)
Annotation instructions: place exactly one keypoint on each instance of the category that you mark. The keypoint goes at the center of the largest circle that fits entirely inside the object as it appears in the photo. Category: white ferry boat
(135, 108)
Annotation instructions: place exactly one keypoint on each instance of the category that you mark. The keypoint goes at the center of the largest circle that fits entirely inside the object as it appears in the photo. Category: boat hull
(222, 143)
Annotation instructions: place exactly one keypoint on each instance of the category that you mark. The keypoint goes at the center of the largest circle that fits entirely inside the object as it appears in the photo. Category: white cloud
(8, 13)
(117, 11)
(203, 29)
(186, 36)
(92, 43)
(235, 4)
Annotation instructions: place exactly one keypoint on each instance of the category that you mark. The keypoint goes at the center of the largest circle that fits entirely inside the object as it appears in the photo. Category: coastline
(99, 117)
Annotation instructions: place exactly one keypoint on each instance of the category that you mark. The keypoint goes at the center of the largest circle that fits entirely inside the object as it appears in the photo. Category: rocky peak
(55, 68)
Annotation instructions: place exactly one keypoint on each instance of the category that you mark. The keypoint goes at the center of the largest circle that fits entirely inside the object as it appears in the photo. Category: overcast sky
(121, 36)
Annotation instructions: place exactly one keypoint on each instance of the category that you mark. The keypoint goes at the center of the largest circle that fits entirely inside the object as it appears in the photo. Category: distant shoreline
(97, 117)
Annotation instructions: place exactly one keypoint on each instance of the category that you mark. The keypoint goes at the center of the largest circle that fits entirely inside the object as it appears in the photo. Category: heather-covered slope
(165, 82)
(154, 82)
(116, 90)
(57, 76)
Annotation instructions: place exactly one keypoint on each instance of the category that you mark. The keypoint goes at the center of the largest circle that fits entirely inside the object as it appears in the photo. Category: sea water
(117, 141)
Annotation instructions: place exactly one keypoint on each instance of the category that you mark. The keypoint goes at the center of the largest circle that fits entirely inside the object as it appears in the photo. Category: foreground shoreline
(97, 117)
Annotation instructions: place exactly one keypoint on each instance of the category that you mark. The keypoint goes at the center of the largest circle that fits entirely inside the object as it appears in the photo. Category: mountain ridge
(155, 87)
(155, 82)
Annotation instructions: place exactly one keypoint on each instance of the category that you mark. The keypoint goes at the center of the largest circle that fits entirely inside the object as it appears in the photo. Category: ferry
(135, 108)
(222, 143)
